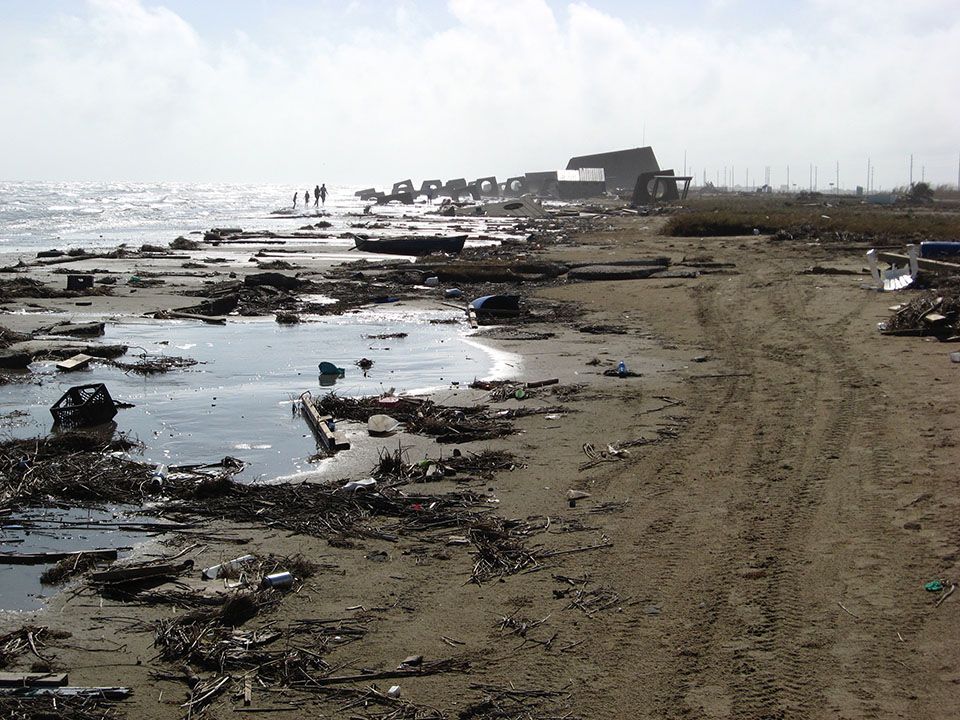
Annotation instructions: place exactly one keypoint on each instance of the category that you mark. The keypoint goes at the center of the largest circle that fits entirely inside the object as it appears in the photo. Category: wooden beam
(922, 263)
(52, 557)
(32, 679)
(76, 362)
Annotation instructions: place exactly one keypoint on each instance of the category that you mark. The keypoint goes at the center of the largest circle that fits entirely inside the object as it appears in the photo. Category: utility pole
(868, 175)
(816, 177)
(838, 177)
(911, 169)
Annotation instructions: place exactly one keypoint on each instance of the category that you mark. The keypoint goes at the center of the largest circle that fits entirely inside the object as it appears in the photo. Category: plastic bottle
(158, 477)
(622, 369)
(212, 573)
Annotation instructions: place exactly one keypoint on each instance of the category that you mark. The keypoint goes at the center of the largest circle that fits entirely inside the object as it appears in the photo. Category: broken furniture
(898, 276)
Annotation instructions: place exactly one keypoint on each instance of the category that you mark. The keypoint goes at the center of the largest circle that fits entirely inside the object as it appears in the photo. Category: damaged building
(586, 176)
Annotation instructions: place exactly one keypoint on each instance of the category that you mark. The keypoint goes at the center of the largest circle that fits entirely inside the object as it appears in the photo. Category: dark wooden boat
(410, 245)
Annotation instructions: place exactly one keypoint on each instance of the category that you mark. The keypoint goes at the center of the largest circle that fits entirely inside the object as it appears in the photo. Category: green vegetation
(815, 216)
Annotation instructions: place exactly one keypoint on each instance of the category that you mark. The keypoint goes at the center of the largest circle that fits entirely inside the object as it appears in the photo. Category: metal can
(277, 580)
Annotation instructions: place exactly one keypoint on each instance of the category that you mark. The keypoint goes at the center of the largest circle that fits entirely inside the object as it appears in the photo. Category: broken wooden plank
(543, 383)
(142, 572)
(32, 679)
(77, 362)
(332, 439)
(109, 693)
(209, 319)
(42, 558)
(922, 263)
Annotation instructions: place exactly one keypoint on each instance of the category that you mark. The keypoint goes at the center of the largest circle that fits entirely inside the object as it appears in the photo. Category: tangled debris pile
(934, 313)
(392, 469)
(424, 417)
(88, 470)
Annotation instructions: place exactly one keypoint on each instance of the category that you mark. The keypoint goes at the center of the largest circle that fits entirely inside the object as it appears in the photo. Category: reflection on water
(55, 530)
(239, 400)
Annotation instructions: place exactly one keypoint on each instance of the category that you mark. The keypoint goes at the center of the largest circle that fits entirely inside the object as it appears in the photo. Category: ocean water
(41, 216)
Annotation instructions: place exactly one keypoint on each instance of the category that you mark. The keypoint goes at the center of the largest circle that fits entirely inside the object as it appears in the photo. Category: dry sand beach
(764, 502)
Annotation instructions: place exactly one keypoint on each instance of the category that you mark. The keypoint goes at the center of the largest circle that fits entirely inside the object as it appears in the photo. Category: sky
(368, 92)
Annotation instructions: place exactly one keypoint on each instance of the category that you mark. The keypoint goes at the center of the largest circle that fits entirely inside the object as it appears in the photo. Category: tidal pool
(239, 399)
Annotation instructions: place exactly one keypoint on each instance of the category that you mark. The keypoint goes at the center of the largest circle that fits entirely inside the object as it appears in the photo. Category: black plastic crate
(84, 405)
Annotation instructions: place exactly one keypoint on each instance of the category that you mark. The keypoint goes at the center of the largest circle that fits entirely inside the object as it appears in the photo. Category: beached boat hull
(410, 245)
(489, 309)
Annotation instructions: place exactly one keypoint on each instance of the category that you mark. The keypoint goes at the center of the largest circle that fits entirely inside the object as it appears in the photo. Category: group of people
(319, 196)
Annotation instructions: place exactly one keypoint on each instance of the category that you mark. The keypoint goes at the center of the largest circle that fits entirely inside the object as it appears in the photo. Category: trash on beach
(32, 679)
(382, 425)
(620, 371)
(277, 581)
(215, 571)
(84, 405)
(79, 282)
(574, 495)
(42, 558)
(77, 362)
(328, 368)
(157, 478)
(409, 245)
(331, 438)
(365, 484)
(898, 276)
(109, 693)
(140, 573)
(934, 313)
(491, 308)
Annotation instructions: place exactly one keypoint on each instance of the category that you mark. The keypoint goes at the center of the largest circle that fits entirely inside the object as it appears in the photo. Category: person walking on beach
(306, 199)
(323, 193)
(295, 200)
(316, 196)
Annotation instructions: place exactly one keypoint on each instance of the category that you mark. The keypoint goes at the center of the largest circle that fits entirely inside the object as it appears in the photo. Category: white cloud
(126, 89)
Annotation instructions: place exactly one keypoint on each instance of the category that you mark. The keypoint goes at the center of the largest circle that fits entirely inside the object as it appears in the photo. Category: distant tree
(921, 192)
